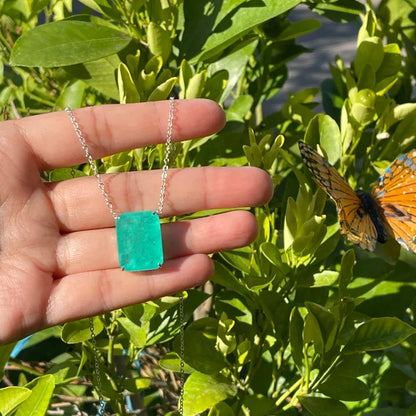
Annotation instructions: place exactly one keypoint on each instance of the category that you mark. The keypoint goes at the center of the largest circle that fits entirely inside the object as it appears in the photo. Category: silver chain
(182, 355)
(168, 151)
(101, 401)
(101, 405)
(94, 169)
(164, 176)
(91, 161)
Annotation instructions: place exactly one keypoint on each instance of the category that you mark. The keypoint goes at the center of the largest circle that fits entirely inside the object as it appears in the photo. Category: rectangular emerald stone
(139, 241)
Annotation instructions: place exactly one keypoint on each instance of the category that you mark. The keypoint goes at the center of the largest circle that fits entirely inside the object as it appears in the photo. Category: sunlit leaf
(78, 331)
(11, 397)
(203, 391)
(66, 42)
(38, 402)
(378, 334)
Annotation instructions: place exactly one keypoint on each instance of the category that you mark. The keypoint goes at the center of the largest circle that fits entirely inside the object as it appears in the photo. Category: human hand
(58, 249)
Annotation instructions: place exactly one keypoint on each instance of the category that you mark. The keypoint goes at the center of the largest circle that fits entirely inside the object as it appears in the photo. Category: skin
(58, 251)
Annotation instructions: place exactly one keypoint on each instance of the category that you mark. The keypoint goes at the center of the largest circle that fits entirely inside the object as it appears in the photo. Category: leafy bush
(300, 322)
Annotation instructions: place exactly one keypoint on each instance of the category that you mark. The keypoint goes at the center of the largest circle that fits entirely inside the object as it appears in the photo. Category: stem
(307, 369)
(356, 143)
(292, 388)
(117, 403)
(322, 377)
(4, 45)
(255, 362)
(259, 113)
(13, 364)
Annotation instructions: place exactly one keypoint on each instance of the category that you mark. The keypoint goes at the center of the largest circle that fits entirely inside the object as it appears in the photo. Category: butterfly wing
(395, 193)
(355, 223)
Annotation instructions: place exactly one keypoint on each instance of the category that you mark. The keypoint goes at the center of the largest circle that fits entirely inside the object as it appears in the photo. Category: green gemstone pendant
(139, 241)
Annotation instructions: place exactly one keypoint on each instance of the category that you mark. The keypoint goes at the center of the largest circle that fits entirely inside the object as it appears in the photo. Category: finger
(112, 128)
(79, 205)
(87, 294)
(97, 249)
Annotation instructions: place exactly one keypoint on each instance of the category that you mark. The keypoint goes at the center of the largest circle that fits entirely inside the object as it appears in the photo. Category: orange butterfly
(367, 218)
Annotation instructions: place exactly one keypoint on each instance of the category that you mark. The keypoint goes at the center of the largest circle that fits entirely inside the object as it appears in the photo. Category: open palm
(58, 250)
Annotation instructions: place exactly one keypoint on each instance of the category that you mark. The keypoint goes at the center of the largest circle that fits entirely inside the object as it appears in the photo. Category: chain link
(182, 354)
(101, 405)
(168, 151)
(91, 161)
(93, 166)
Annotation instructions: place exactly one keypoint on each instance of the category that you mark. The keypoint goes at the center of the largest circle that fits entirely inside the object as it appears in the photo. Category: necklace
(139, 241)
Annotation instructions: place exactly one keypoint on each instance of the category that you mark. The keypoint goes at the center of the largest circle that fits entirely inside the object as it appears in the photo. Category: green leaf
(368, 27)
(378, 334)
(403, 110)
(388, 411)
(102, 6)
(196, 85)
(296, 337)
(300, 28)
(370, 52)
(209, 28)
(72, 95)
(43, 335)
(136, 385)
(186, 72)
(66, 42)
(259, 404)
(165, 325)
(244, 351)
(127, 88)
(345, 388)
(225, 277)
(367, 79)
(221, 409)
(239, 259)
(119, 162)
(325, 278)
(38, 402)
(62, 174)
(290, 224)
(215, 86)
(11, 397)
(310, 234)
(392, 62)
(159, 41)
(226, 337)
(405, 130)
(203, 391)
(319, 406)
(326, 321)
(324, 130)
(5, 351)
(234, 63)
(99, 74)
(272, 253)
(345, 274)
(200, 346)
(162, 91)
(340, 10)
(312, 333)
(172, 362)
(137, 334)
(412, 410)
(79, 331)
